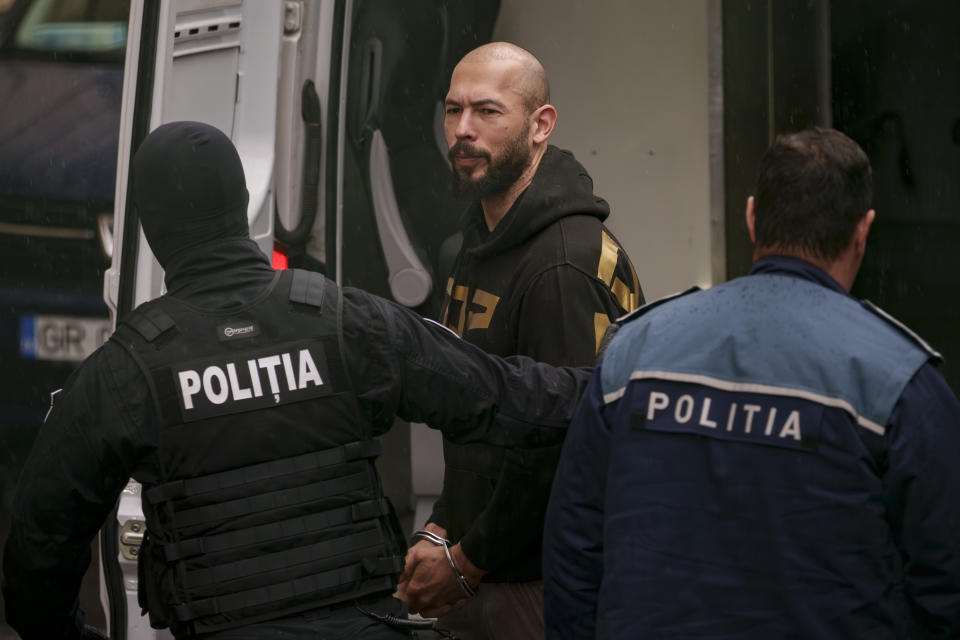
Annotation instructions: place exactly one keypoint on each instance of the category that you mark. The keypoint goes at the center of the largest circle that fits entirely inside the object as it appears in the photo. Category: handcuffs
(423, 534)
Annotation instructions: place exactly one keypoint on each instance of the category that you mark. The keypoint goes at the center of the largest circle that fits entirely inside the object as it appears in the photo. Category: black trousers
(342, 622)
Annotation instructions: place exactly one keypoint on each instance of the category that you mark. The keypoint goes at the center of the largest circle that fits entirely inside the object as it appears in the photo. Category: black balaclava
(188, 188)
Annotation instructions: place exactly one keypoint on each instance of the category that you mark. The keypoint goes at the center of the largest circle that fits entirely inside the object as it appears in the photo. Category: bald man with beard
(538, 274)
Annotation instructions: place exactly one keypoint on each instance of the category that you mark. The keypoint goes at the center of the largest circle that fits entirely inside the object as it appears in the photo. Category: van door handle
(410, 283)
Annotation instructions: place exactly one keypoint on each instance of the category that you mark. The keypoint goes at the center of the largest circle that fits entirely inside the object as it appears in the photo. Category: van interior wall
(884, 74)
(630, 83)
(895, 91)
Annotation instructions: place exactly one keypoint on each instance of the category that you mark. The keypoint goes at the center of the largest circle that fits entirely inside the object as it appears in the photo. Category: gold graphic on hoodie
(600, 323)
(476, 315)
(627, 295)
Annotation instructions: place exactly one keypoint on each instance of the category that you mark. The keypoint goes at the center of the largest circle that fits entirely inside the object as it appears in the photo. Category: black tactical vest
(269, 503)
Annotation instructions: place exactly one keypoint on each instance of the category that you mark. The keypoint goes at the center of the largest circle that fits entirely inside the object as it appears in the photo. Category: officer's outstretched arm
(425, 373)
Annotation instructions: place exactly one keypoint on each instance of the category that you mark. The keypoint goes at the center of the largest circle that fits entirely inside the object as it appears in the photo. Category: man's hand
(428, 585)
(468, 570)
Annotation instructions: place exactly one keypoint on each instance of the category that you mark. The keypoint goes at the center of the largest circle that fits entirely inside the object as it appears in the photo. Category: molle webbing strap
(316, 557)
(293, 590)
(307, 288)
(259, 472)
(382, 585)
(264, 502)
(274, 531)
(149, 322)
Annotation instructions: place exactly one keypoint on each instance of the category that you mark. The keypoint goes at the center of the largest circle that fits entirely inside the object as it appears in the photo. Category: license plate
(63, 338)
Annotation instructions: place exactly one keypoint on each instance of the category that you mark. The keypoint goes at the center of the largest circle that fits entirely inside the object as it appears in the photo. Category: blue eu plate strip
(28, 336)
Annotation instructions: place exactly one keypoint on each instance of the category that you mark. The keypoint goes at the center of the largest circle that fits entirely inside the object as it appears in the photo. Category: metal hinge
(131, 537)
(292, 17)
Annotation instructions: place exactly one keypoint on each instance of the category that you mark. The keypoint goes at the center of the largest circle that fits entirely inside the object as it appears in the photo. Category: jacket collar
(787, 265)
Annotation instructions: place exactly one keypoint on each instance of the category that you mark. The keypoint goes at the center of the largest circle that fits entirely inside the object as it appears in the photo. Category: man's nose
(464, 129)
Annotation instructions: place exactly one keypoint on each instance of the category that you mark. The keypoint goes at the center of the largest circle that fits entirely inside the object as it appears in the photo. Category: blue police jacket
(769, 458)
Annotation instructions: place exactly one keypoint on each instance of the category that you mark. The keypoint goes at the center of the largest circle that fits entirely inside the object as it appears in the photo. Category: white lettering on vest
(190, 386)
(288, 370)
(239, 393)
(270, 364)
(255, 379)
(223, 391)
(308, 370)
(222, 383)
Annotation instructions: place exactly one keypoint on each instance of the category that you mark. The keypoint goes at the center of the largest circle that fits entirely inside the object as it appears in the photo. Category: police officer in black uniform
(247, 402)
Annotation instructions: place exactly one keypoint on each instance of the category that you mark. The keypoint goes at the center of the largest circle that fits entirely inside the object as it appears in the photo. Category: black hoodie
(546, 283)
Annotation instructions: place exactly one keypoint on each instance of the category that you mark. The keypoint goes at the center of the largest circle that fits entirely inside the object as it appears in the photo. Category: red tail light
(280, 260)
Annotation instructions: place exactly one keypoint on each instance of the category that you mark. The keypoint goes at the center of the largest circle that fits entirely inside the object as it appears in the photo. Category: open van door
(216, 62)
(335, 107)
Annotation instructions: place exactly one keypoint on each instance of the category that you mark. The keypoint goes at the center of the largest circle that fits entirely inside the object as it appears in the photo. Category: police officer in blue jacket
(769, 458)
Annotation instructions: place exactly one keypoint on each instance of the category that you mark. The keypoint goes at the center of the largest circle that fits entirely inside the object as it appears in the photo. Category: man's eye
(452, 111)
(488, 112)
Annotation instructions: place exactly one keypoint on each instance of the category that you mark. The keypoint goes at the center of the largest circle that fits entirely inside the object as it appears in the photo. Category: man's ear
(862, 230)
(751, 220)
(542, 123)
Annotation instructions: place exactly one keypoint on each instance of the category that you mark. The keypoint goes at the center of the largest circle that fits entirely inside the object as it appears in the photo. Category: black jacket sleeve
(404, 365)
(83, 456)
(922, 485)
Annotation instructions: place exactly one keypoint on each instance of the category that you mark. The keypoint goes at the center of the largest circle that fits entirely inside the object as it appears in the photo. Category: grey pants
(499, 611)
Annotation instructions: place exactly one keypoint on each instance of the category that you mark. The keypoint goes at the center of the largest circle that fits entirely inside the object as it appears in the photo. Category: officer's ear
(751, 220)
(861, 231)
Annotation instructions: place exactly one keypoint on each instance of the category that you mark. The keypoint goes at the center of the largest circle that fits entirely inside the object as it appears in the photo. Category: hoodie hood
(561, 187)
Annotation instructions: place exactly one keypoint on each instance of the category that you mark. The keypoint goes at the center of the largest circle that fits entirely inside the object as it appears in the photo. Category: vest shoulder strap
(123, 337)
(307, 288)
(150, 321)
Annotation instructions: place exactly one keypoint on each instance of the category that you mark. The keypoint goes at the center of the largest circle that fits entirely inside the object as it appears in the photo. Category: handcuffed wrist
(440, 541)
(430, 536)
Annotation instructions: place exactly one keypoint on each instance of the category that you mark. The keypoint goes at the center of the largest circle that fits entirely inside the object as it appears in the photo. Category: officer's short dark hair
(812, 189)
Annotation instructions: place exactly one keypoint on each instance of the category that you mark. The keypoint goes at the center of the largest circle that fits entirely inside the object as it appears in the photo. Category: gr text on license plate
(64, 338)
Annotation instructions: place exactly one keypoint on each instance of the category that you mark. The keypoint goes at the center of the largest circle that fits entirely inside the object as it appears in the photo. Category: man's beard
(499, 176)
